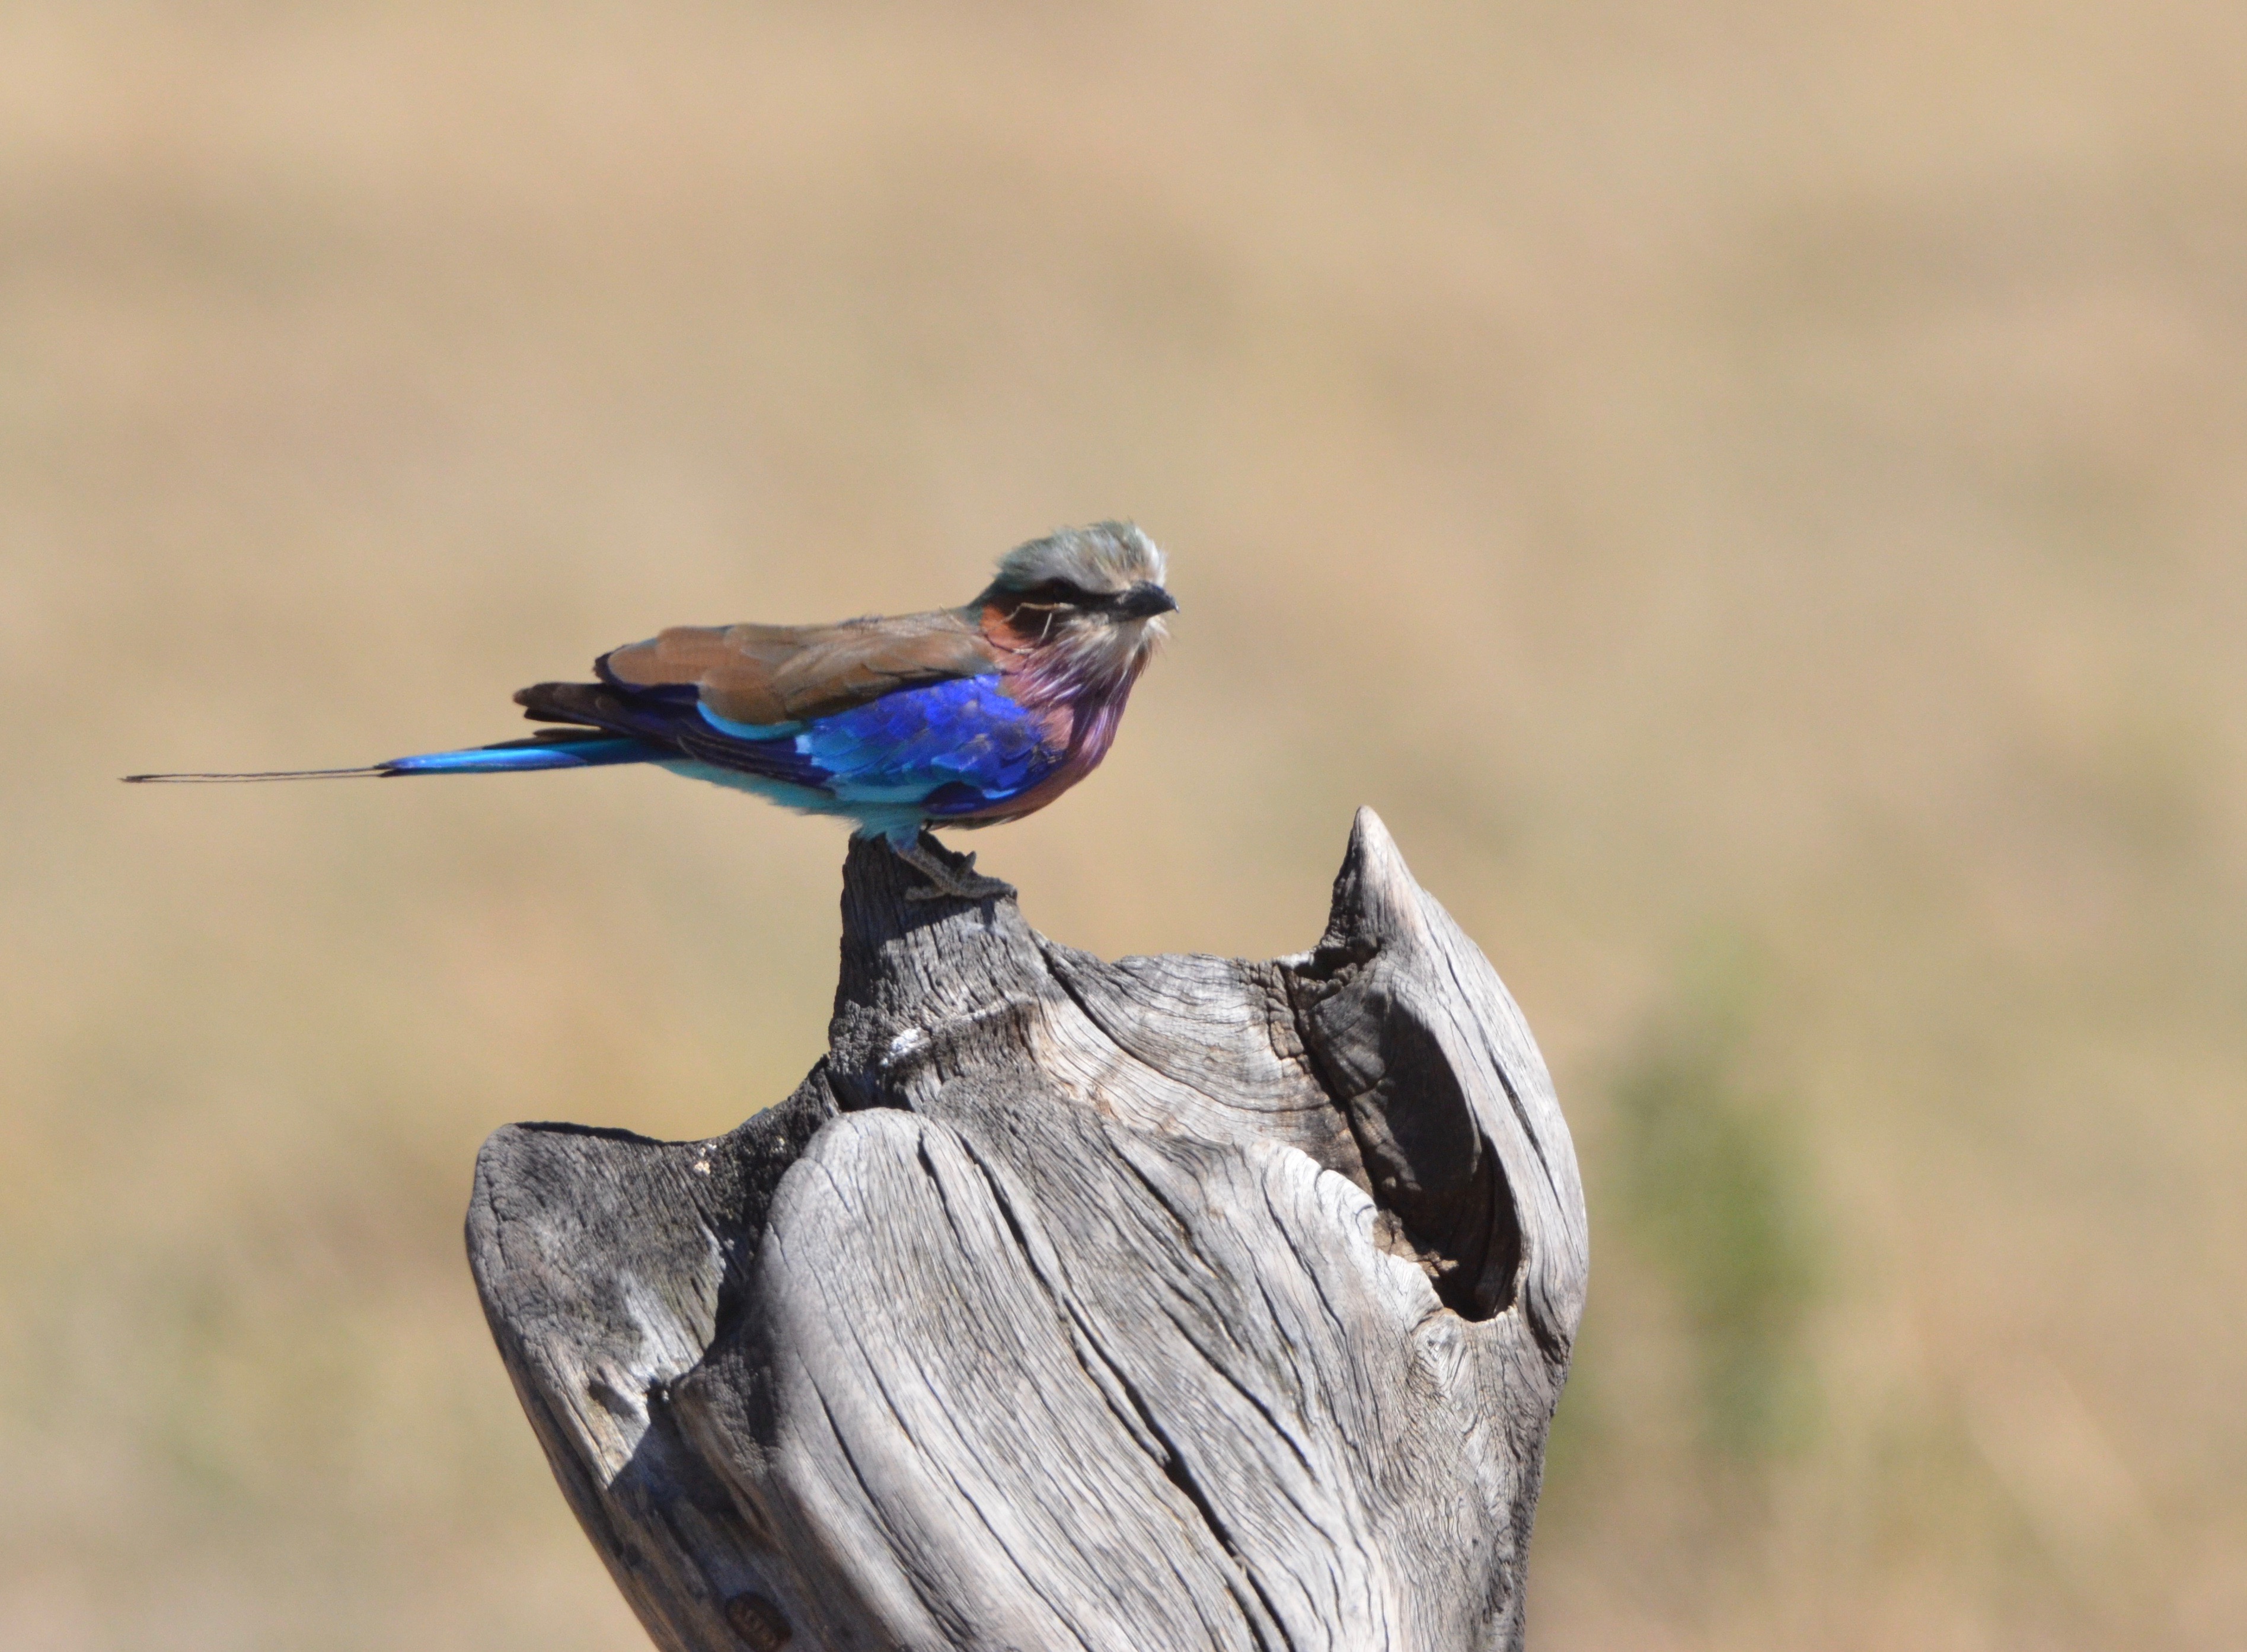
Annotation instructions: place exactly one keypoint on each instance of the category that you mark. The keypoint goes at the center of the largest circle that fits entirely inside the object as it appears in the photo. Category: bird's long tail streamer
(552, 749)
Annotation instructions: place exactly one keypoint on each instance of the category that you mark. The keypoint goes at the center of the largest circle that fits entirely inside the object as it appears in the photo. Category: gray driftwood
(1178, 1302)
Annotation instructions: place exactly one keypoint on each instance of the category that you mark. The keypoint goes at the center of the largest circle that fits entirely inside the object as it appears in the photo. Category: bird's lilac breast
(1087, 727)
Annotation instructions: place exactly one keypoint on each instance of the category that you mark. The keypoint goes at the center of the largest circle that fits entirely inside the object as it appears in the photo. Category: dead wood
(1178, 1302)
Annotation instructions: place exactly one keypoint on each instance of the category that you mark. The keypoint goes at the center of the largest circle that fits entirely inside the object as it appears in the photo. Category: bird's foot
(954, 880)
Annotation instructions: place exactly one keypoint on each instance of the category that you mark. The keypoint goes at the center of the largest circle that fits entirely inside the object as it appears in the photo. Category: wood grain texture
(1174, 1303)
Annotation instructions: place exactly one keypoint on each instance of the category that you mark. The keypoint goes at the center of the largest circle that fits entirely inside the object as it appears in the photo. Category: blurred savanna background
(1755, 494)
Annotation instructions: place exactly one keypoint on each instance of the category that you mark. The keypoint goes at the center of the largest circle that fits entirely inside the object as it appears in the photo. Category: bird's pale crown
(1103, 560)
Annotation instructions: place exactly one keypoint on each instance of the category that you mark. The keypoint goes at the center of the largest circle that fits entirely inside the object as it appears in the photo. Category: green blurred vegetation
(1715, 1193)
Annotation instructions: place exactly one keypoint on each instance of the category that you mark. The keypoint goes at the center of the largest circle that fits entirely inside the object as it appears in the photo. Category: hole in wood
(1425, 1157)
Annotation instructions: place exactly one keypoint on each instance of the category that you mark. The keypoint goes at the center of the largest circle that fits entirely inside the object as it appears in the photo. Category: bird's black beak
(1146, 600)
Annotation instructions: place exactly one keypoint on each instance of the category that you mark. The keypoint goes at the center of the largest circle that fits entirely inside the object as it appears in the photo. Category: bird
(960, 716)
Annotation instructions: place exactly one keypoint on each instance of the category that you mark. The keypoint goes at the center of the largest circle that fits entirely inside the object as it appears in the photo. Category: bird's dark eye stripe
(1061, 592)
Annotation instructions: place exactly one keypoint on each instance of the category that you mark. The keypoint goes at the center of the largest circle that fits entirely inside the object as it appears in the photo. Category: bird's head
(1087, 601)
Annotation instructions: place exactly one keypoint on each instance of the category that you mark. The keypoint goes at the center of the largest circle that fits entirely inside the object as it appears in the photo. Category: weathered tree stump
(1174, 1303)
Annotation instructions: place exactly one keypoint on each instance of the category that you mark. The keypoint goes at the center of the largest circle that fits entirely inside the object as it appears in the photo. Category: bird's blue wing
(967, 736)
(951, 748)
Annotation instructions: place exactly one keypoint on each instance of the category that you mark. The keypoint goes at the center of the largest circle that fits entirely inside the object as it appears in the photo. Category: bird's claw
(949, 881)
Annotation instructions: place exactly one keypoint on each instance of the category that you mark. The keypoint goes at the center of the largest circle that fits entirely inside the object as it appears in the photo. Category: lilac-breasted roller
(963, 717)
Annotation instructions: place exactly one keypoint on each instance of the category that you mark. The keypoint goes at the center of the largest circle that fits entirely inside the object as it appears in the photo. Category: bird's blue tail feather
(515, 756)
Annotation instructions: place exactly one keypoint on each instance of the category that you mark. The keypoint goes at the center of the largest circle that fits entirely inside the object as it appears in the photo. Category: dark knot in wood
(758, 1621)
(1176, 1303)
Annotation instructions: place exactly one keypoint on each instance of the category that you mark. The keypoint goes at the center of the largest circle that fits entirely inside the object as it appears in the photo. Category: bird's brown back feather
(768, 674)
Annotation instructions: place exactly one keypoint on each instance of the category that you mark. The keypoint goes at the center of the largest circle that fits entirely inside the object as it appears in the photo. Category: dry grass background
(1753, 492)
